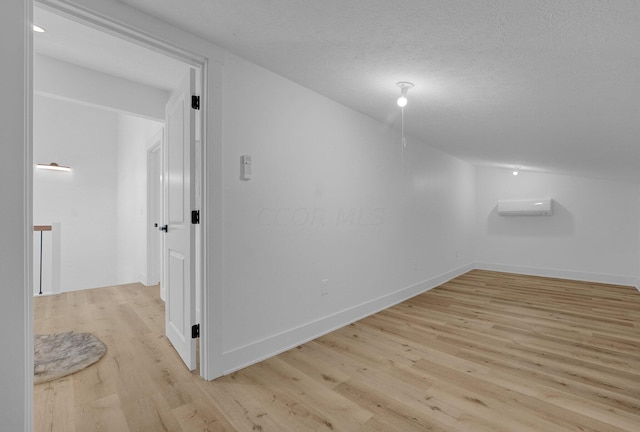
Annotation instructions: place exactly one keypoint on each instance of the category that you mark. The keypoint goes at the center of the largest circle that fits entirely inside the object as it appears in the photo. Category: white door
(179, 236)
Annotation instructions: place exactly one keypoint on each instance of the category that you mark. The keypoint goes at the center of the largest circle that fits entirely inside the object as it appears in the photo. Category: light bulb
(404, 87)
(515, 173)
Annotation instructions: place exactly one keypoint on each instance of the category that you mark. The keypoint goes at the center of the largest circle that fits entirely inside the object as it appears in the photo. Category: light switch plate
(246, 167)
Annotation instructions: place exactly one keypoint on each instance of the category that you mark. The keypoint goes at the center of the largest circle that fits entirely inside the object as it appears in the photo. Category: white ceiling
(84, 46)
(548, 85)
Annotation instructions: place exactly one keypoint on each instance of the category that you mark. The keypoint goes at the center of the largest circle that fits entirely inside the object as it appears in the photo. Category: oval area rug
(61, 354)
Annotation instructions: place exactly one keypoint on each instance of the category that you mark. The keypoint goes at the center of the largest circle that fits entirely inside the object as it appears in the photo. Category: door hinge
(195, 102)
(195, 217)
(195, 331)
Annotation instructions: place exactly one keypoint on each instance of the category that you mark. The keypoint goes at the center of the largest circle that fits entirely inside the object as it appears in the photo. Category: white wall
(59, 79)
(83, 201)
(101, 204)
(592, 235)
(133, 133)
(230, 253)
(123, 235)
(329, 200)
(16, 360)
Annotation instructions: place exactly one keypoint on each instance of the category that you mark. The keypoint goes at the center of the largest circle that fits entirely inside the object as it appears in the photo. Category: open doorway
(63, 72)
(96, 210)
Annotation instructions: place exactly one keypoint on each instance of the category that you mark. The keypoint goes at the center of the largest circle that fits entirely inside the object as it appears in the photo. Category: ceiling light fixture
(404, 88)
(38, 29)
(402, 102)
(54, 167)
(516, 172)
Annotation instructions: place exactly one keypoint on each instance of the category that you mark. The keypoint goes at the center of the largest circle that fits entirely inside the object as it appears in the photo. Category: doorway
(155, 273)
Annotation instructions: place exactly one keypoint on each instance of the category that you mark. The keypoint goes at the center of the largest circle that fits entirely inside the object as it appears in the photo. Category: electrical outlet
(324, 287)
(458, 254)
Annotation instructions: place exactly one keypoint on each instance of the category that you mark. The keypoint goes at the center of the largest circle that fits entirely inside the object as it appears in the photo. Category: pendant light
(404, 88)
(402, 102)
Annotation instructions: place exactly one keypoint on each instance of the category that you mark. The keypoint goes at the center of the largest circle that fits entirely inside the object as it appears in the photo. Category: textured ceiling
(549, 85)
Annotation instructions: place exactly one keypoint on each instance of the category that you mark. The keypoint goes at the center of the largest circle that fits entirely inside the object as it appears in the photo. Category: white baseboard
(255, 352)
(142, 278)
(44, 294)
(562, 274)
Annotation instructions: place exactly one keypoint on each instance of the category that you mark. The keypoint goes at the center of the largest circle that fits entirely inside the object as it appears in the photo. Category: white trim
(561, 274)
(154, 144)
(28, 211)
(115, 20)
(255, 352)
(212, 224)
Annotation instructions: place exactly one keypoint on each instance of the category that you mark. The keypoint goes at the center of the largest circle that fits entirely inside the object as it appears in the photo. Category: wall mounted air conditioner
(539, 207)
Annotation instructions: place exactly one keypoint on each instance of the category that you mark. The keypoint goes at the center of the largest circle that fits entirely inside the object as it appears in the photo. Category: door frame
(134, 25)
(154, 212)
(128, 24)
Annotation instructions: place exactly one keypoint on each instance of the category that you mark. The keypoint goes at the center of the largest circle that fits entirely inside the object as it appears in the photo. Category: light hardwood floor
(485, 352)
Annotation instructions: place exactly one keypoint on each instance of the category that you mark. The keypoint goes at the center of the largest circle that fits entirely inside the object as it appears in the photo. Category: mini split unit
(540, 207)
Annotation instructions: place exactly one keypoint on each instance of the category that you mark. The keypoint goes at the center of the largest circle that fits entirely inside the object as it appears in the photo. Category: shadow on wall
(561, 223)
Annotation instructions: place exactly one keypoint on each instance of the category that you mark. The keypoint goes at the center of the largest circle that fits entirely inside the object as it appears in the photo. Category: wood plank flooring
(485, 352)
